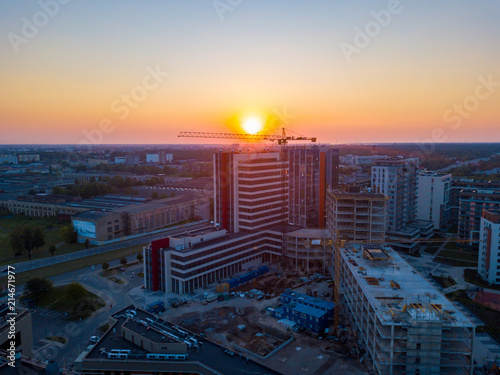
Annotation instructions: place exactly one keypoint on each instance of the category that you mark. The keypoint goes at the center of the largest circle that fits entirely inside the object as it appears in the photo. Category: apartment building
(404, 323)
(463, 184)
(433, 199)
(470, 210)
(397, 178)
(312, 171)
(489, 247)
(356, 215)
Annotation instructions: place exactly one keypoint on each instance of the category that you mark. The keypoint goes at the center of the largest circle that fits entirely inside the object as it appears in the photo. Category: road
(48, 323)
(465, 163)
(37, 263)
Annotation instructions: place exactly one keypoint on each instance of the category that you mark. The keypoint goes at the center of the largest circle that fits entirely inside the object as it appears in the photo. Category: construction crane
(282, 140)
(339, 244)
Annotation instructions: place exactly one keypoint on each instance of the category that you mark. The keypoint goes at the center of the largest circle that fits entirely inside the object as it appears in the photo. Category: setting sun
(252, 125)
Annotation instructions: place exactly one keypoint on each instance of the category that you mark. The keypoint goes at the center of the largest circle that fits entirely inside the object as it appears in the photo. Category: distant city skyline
(135, 72)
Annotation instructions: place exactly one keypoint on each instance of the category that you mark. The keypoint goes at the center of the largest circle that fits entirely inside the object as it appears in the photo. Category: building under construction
(399, 318)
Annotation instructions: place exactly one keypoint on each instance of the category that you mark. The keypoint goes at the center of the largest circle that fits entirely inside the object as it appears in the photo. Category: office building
(312, 171)
(250, 192)
(470, 209)
(141, 343)
(186, 262)
(356, 215)
(433, 199)
(488, 266)
(397, 178)
(403, 322)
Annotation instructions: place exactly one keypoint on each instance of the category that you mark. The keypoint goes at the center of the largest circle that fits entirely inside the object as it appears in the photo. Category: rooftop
(308, 310)
(303, 298)
(209, 354)
(303, 232)
(397, 292)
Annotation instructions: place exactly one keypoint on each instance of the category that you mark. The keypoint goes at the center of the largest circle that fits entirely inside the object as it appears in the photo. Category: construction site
(243, 323)
(402, 321)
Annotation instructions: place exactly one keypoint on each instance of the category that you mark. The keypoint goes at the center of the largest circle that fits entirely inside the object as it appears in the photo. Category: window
(419, 345)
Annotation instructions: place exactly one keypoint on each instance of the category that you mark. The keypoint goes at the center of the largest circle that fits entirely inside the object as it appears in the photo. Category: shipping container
(233, 283)
(221, 288)
(262, 270)
(248, 276)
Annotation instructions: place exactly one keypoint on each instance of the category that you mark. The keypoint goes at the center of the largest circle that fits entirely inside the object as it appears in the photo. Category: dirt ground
(305, 355)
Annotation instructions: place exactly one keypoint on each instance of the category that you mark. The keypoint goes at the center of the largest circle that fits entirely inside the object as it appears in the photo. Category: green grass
(58, 300)
(52, 237)
(74, 265)
(140, 274)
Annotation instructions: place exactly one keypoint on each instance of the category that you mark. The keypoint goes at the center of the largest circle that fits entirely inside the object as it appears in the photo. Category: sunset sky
(205, 65)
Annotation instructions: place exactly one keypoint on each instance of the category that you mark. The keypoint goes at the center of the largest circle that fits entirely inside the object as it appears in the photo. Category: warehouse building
(113, 218)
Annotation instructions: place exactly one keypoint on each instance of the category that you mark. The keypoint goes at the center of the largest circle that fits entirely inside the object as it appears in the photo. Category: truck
(156, 307)
(211, 297)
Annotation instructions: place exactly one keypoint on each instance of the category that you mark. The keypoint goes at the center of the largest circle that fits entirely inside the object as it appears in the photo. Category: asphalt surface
(47, 323)
(49, 261)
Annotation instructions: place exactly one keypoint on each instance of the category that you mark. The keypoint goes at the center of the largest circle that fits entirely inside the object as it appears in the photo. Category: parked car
(94, 339)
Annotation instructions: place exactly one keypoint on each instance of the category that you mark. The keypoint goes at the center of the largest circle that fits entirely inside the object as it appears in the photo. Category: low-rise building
(183, 263)
(110, 217)
(139, 342)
